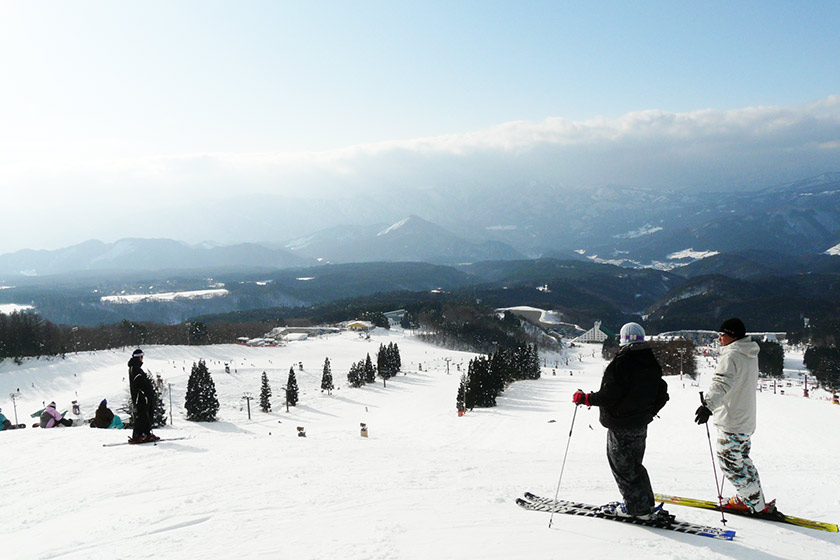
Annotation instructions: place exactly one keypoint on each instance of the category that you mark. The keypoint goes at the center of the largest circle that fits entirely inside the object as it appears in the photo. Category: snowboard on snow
(775, 516)
(536, 503)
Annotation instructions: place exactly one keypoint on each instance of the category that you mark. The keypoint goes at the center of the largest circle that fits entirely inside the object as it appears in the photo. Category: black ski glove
(702, 414)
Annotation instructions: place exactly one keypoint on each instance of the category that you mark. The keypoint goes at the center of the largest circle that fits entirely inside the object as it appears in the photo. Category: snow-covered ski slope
(425, 484)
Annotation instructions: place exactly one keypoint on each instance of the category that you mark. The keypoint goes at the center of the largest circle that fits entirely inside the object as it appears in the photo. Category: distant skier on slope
(632, 392)
(143, 399)
(731, 399)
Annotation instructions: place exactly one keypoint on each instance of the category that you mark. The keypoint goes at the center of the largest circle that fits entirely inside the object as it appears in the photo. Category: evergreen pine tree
(368, 371)
(396, 357)
(327, 379)
(292, 388)
(498, 374)
(388, 361)
(381, 359)
(159, 412)
(201, 402)
(609, 348)
(481, 387)
(265, 394)
(771, 358)
(461, 400)
(354, 377)
(528, 362)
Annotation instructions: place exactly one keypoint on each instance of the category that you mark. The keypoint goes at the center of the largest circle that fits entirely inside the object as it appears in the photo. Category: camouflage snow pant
(733, 451)
(625, 451)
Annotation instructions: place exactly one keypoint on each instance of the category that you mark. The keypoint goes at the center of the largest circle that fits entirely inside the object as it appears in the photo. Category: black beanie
(734, 327)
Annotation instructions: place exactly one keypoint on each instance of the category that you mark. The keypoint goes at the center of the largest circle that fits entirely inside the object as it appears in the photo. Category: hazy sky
(105, 105)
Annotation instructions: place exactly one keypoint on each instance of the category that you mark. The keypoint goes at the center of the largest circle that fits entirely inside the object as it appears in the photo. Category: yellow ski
(777, 516)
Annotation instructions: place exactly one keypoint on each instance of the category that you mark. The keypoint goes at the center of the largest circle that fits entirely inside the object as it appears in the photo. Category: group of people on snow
(143, 397)
(632, 392)
(104, 417)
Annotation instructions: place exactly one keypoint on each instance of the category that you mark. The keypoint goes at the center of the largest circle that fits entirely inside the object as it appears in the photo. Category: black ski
(114, 444)
(536, 503)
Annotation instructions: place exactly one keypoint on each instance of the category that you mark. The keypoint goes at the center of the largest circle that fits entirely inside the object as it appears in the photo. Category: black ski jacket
(142, 392)
(632, 389)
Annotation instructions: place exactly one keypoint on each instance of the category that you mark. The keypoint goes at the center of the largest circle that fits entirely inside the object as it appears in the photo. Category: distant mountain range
(409, 240)
(412, 239)
(630, 227)
(131, 255)
(633, 226)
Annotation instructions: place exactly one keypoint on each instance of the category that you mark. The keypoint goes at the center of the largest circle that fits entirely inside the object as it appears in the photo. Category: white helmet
(630, 333)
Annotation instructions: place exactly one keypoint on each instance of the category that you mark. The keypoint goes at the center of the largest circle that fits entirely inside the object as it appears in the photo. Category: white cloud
(708, 149)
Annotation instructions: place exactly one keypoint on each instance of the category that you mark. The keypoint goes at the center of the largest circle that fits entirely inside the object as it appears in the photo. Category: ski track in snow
(424, 484)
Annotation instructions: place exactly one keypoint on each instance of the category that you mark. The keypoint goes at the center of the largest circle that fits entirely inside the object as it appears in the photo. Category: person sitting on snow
(5, 424)
(105, 418)
(50, 417)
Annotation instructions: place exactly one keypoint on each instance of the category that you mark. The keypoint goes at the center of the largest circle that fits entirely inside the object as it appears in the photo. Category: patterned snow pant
(733, 451)
(625, 451)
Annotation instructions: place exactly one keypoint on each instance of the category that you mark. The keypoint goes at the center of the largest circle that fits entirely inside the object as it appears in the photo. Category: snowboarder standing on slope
(731, 399)
(632, 392)
(142, 398)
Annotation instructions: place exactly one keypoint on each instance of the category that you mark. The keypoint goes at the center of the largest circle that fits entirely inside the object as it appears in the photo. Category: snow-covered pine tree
(265, 394)
(485, 383)
(387, 360)
(499, 373)
(327, 378)
(354, 376)
(395, 356)
(534, 371)
(292, 388)
(461, 399)
(159, 412)
(201, 402)
(368, 372)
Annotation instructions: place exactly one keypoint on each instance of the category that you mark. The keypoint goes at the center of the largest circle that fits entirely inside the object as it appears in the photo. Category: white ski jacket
(731, 395)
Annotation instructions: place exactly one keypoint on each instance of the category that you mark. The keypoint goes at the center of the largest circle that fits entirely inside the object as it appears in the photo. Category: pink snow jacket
(50, 417)
(731, 395)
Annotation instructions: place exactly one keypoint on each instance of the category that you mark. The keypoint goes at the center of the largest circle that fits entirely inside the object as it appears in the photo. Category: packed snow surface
(544, 316)
(9, 308)
(692, 254)
(165, 296)
(425, 483)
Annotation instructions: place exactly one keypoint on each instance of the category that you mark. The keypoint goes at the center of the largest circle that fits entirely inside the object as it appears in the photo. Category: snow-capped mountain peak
(393, 227)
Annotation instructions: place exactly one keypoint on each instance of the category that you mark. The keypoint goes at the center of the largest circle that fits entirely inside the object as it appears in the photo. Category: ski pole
(563, 467)
(718, 485)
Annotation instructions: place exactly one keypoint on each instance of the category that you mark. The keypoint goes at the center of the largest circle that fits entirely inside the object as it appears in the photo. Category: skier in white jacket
(731, 398)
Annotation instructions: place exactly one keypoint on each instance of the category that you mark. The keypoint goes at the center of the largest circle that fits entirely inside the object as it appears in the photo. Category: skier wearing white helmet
(632, 392)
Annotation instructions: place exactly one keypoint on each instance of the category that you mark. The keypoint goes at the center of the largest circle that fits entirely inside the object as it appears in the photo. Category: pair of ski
(536, 503)
(116, 443)
(775, 516)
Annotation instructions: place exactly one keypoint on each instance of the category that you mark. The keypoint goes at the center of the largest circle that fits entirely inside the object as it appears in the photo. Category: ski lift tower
(15, 396)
